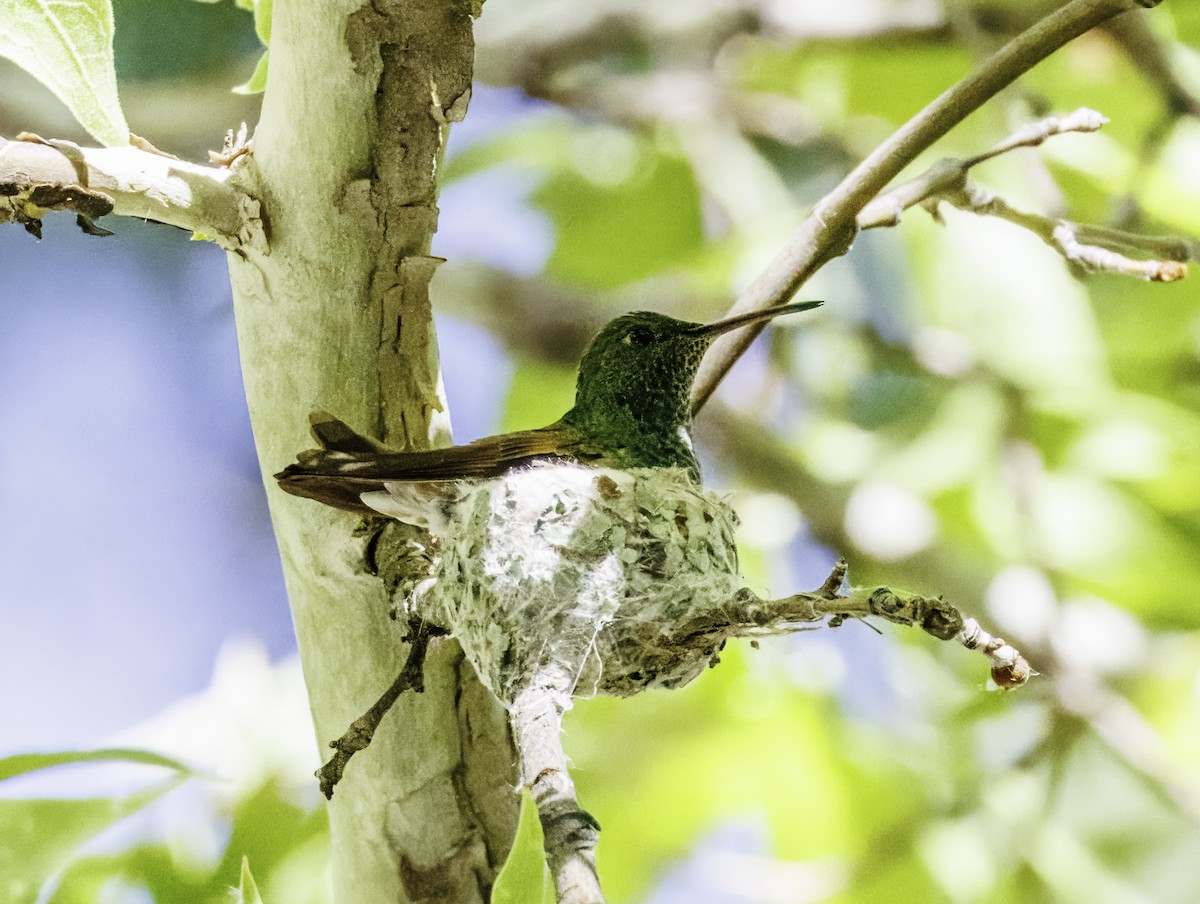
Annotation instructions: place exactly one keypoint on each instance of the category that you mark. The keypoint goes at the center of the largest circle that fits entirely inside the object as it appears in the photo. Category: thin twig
(1092, 248)
(950, 174)
(749, 616)
(1066, 238)
(828, 231)
(361, 731)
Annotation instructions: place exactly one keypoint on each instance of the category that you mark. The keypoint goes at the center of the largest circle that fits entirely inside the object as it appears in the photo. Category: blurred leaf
(1012, 298)
(1092, 72)
(660, 771)
(626, 211)
(197, 42)
(288, 843)
(524, 878)
(1124, 832)
(268, 826)
(1186, 17)
(960, 433)
(247, 892)
(147, 866)
(263, 10)
(1149, 334)
(37, 837)
(624, 206)
(538, 394)
(840, 81)
(1145, 444)
(542, 144)
(67, 46)
(29, 762)
(892, 873)
(1171, 191)
(1089, 180)
(257, 82)
(913, 74)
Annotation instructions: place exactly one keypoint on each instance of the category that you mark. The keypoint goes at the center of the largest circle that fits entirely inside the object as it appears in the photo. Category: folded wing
(347, 464)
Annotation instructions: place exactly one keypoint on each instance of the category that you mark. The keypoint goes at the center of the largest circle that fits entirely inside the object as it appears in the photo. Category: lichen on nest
(584, 569)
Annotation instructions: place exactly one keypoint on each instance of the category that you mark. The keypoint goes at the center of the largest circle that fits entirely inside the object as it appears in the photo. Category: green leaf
(68, 48)
(288, 842)
(257, 82)
(262, 16)
(631, 212)
(540, 145)
(538, 394)
(37, 837)
(248, 888)
(30, 762)
(524, 879)
(262, 20)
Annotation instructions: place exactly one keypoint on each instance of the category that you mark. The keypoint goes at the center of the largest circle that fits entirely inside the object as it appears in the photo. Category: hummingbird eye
(639, 336)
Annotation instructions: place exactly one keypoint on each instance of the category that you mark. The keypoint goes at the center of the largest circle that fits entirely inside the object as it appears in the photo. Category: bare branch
(950, 174)
(1033, 134)
(1069, 239)
(750, 616)
(1092, 248)
(828, 231)
(39, 175)
(362, 730)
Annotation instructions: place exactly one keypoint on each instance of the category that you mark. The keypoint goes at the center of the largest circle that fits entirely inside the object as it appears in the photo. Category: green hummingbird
(632, 410)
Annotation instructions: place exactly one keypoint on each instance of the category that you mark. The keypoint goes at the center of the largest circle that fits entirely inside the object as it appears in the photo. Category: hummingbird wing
(348, 464)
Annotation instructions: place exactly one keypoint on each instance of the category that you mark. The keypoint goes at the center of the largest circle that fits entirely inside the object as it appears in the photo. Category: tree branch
(829, 230)
(1092, 248)
(362, 730)
(337, 316)
(570, 832)
(949, 174)
(38, 175)
(749, 616)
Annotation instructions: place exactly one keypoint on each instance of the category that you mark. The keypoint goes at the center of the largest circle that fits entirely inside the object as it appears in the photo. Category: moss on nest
(586, 569)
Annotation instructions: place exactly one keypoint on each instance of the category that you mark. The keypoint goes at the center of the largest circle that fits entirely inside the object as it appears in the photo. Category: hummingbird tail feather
(352, 481)
(336, 435)
(311, 480)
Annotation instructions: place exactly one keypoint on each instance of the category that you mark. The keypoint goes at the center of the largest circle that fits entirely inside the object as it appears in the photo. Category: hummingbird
(632, 410)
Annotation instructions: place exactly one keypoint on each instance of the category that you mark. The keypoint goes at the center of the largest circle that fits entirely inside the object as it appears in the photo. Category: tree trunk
(335, 314)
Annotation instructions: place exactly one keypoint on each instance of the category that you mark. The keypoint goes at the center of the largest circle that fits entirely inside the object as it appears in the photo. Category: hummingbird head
(636, 376)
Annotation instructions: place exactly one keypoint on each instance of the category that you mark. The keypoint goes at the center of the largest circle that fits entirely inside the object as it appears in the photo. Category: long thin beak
(712, 330)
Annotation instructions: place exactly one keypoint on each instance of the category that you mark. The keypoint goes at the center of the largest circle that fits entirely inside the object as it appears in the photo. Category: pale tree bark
(334, 313)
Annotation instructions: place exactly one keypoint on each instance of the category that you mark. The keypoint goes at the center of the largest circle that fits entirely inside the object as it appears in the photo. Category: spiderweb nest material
(584, 572)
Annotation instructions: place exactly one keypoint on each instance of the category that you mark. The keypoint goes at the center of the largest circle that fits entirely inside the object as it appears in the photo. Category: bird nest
(587, 572)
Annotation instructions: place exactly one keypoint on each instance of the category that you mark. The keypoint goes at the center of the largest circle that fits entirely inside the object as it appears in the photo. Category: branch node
(837, 577)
